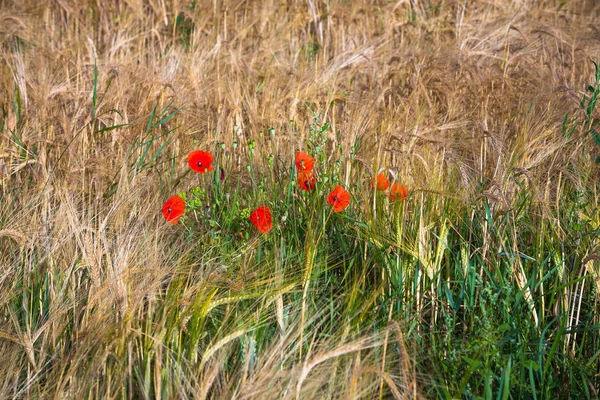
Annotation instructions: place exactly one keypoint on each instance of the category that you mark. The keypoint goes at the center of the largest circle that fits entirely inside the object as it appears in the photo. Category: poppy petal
(173, 209)
(339, 198)
(307, 181)
(304, 162)
(398, 192)
(261, 219)
(200, 161)
(381, 181)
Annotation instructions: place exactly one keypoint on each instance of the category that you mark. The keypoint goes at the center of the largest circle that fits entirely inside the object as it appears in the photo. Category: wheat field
(483, 283)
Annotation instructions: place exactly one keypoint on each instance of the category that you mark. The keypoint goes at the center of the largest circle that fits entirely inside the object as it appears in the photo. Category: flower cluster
(201, 161)
(397, 192)
(307, 180)
(198, 161)
(339, 198)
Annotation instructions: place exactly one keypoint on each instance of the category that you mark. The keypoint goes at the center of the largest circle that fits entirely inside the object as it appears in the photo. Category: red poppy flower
(304, 162)
(382, 182)
(398, 192)
(339, 199)
(173, 209)
(261, 219)
(200, 161)
(307, 181)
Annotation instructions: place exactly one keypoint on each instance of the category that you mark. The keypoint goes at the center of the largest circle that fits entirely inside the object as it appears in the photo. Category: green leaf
(488, 215)
(110, 128)
(506, 380)
(95, 91)
(558, 339)
(595, 136)
(151, 119)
